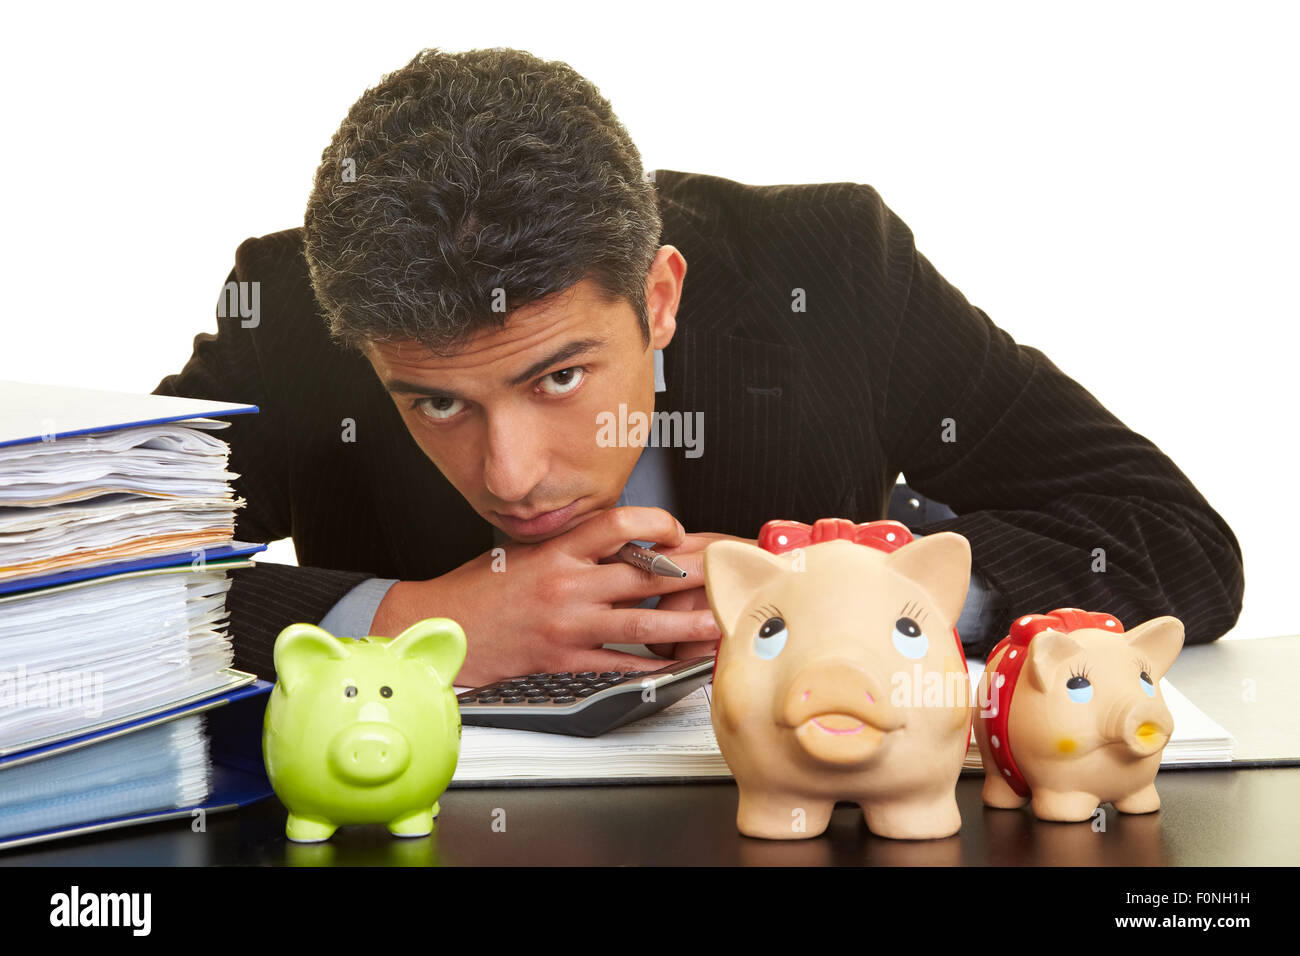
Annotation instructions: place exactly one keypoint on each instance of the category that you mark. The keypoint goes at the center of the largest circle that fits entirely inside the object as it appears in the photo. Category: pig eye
(350, 690)
(770, 639)
(1079, 688)
(1147, 684)
(385, 691)
(909, 639)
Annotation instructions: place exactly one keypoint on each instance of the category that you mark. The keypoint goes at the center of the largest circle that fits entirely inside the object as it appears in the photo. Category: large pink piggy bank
(1070, 713)
(840, 676)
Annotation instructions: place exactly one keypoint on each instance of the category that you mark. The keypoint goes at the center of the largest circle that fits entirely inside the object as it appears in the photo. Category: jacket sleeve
(267, 597)
(1063, 504)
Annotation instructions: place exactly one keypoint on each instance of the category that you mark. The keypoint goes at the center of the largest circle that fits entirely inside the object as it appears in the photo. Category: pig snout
(1140, 726)
(840, 712)
(369, 754)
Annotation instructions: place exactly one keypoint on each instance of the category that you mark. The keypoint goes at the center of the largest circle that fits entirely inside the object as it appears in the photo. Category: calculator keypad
(563, 687)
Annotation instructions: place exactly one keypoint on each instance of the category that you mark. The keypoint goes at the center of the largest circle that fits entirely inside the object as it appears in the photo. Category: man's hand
(550, 606)
(695, 598)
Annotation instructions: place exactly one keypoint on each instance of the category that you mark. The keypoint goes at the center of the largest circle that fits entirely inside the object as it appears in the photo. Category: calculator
(582, 704)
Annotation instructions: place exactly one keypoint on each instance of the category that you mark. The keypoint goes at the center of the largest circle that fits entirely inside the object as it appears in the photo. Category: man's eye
(565, 380)
(439, 408)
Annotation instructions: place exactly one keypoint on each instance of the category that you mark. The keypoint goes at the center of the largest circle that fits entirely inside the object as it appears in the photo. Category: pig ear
(940, 564)
(733, 572)
(298, 647)
(1047, 650)
(436, 641)
(1159, 640)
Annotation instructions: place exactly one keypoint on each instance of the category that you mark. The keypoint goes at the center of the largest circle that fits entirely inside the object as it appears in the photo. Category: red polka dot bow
(884, 535)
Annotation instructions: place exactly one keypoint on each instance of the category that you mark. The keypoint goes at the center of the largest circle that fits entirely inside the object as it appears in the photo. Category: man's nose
(515, 461)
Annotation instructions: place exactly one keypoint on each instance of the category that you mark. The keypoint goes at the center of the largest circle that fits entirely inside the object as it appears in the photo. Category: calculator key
(601, 685)
(539, 700)
(512, 699)
(538, 676)
(516, 680)
(585, 692)
(587, 675)
(609, 674)
(561, 675)
(466, 698)
(490, 699)
(564, 700)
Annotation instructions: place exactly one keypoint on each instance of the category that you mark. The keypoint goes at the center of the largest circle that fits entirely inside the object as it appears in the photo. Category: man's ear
(298, 647)
(733, 572)
(663, 292)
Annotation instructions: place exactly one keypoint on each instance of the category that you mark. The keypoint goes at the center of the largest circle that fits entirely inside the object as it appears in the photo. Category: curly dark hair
(465, 185)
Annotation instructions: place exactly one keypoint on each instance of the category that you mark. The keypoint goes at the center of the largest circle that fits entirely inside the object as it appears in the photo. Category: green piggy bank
(363, 731)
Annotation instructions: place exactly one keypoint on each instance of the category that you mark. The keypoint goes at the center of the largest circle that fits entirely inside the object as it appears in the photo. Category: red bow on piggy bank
(883, 535)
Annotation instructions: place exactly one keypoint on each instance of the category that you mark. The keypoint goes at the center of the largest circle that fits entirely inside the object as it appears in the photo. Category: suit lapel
(743, 390)
(725, 362)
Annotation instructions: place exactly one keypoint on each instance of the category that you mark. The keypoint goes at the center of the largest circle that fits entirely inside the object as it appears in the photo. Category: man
(451, 359)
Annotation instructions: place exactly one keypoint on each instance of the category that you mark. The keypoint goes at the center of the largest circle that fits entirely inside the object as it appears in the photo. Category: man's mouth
(538, 522)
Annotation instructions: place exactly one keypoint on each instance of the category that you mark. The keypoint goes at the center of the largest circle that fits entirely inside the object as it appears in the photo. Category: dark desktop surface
(1207, 818)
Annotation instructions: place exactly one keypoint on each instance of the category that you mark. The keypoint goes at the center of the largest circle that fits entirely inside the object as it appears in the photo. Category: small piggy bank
(1070, 713)
(364, 731)
(840, 676)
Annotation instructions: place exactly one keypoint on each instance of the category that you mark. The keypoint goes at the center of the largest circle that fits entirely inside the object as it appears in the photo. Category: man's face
(511, 418)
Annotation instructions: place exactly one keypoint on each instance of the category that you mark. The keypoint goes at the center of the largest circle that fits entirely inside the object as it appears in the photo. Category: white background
(1113, 183)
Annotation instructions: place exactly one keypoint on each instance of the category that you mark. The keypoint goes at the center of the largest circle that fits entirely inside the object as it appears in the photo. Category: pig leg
(777, 816)
(304, 829)
(417, 823)
(1145, 800)
(1065, 806)
(927, 817)
(998, 793)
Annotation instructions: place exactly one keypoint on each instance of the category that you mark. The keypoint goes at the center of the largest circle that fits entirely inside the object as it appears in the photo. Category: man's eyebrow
(564, 352)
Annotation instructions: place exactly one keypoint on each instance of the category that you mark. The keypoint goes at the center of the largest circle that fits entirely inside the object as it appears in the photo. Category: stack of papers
(82, 500)
(80, 656)
(116, 525)
(163, 766)
(677, 741)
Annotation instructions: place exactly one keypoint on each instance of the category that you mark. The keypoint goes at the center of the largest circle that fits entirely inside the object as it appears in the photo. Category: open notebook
(678, 744)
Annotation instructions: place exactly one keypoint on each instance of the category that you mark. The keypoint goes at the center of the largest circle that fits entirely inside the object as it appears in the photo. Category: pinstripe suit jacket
(808, 414)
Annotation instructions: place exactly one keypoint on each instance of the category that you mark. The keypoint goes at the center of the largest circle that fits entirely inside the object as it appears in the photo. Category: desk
(1240, 816)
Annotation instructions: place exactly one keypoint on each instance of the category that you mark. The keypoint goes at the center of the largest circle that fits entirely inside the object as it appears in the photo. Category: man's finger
(615, 581)
(604, 534)
(653, 626)
(606, 660)
(697, 542)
